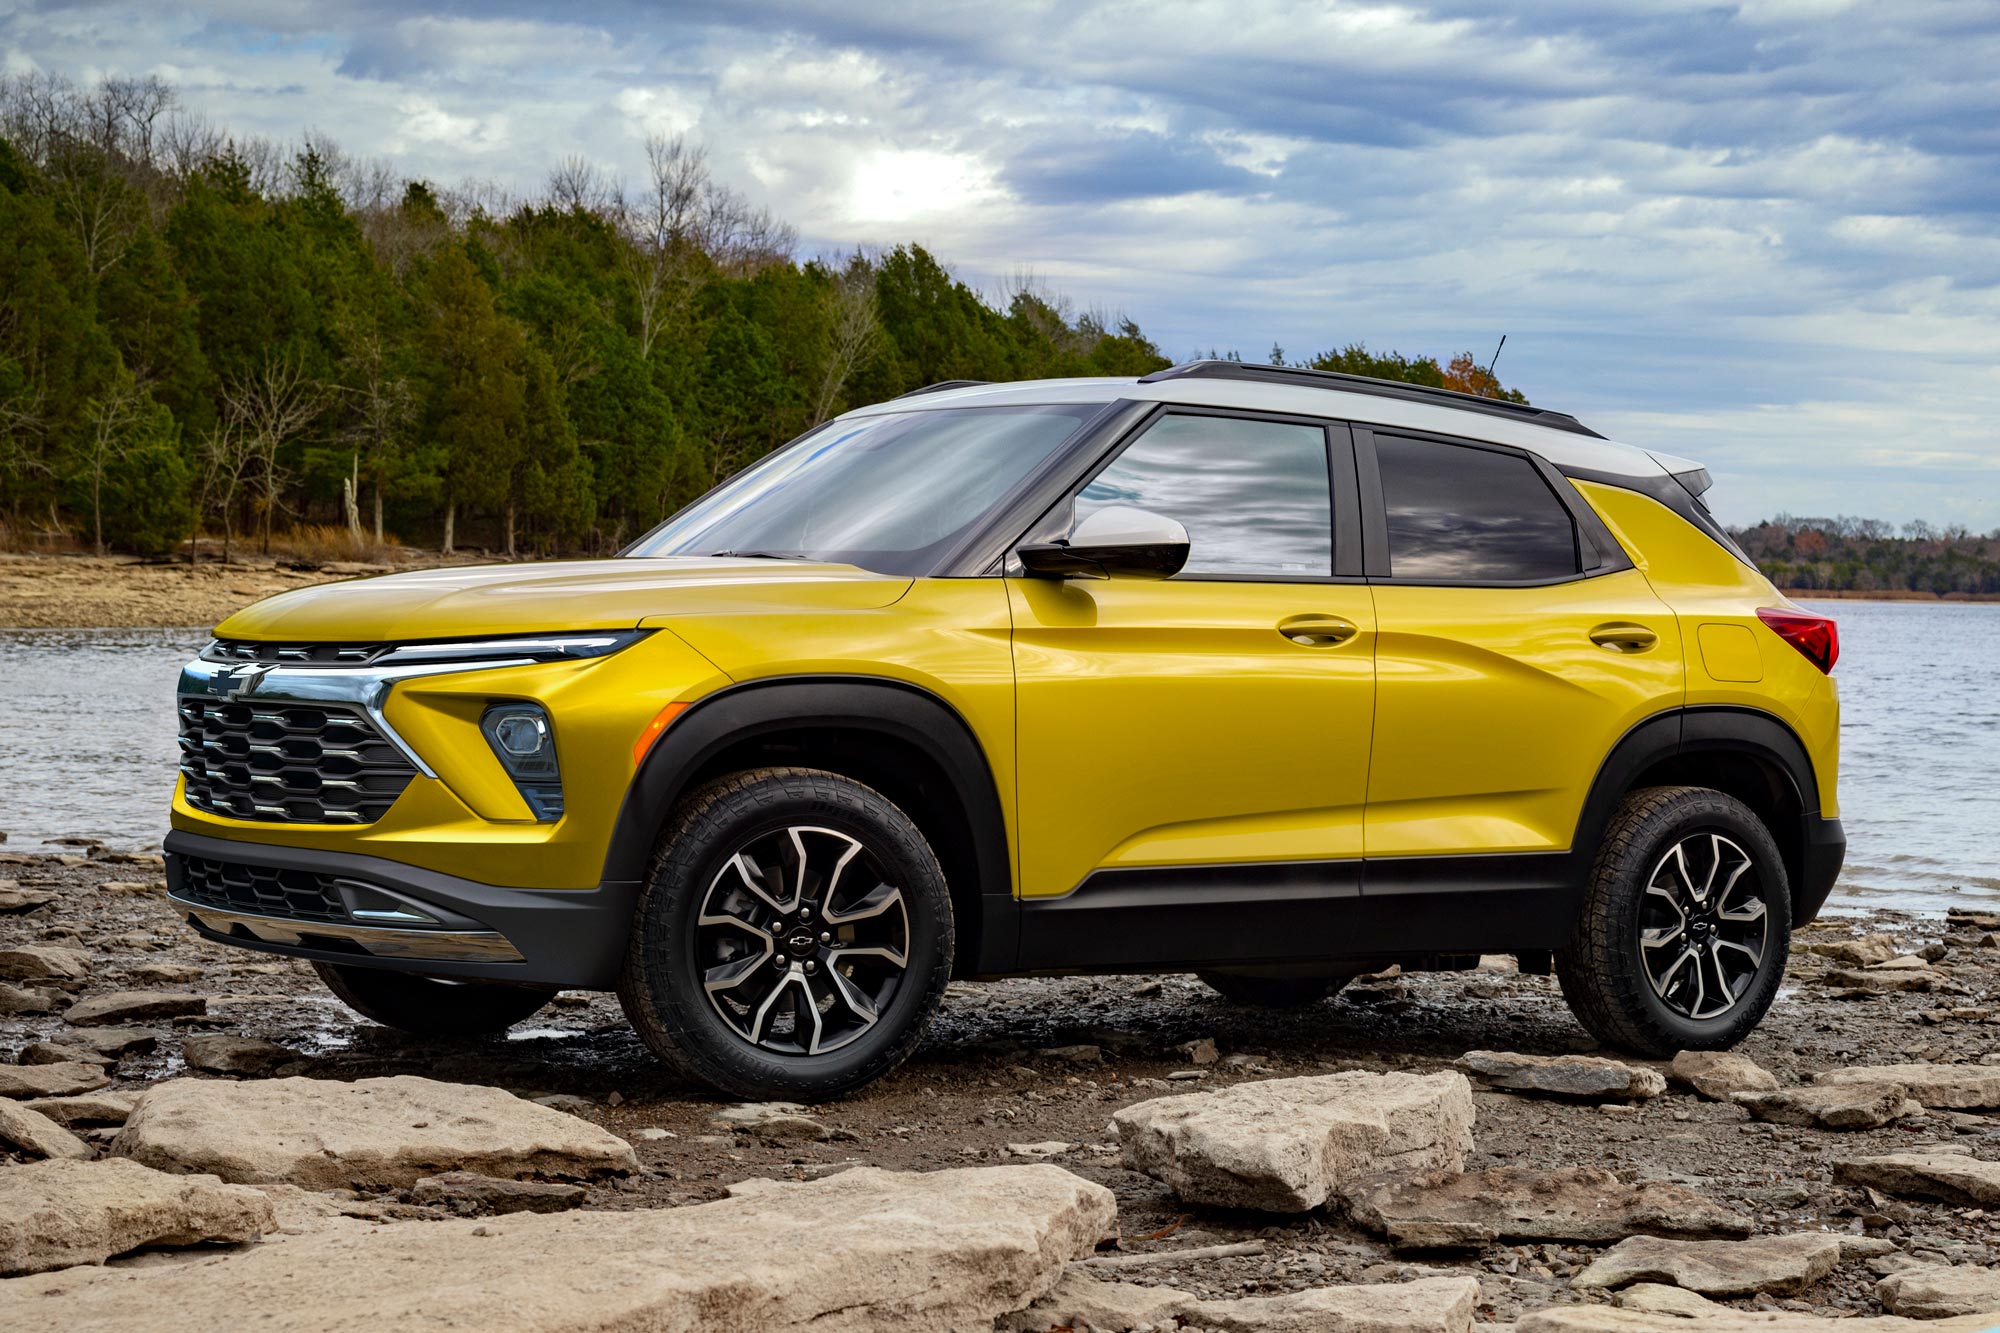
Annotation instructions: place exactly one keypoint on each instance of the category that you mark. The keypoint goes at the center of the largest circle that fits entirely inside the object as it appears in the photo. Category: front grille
(288, 763)
(294, 654)
(301, 894)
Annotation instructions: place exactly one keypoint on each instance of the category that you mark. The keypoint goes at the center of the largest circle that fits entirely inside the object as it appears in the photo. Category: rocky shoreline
(197, 1133)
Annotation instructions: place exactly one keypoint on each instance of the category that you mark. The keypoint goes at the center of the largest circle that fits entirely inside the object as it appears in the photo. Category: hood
(471, 601)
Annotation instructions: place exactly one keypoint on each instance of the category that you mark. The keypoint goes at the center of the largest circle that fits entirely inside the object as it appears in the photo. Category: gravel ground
(1047, 1061)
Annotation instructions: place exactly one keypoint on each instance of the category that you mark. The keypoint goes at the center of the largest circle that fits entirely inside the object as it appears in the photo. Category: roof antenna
(1495, 357)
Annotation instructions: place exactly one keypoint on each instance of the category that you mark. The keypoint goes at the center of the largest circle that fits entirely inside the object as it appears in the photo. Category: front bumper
(371, 912)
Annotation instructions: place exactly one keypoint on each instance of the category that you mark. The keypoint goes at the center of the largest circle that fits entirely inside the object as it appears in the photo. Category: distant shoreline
(110, 592)
(1885, 595)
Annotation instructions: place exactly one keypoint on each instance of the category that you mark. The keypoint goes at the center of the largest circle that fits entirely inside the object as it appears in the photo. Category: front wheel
(1685, 927)
(432, 1006)
(793, 939)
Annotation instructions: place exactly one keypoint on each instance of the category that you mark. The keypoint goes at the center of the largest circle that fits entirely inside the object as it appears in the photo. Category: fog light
(525, 745)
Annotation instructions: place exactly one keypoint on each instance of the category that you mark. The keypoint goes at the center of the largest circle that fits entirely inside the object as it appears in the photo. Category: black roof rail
(1333, 379)
(942, 385)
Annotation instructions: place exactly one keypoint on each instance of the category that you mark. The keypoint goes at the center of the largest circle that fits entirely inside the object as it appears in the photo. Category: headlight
(525, 745)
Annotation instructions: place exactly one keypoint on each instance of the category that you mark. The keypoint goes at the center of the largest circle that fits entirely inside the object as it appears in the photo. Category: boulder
(377, 1133)
(1654, 1298)
(1883, 980)
(96, 1108)
(57, 1052)
(866, 1249)
(15, 900)
(1950, 1177)
(1832, 1106)
(1445, 1210)
(43, 962)
(1777, 1264)
(57, 1214)
(135, 1006)
(1082, 1301)
(778, 1121)
(1717, 1075)
(56, 1080)
(1866, 951)
(1590, 1077)
(227, 1053)
(33, 1133)
(113, 1042)
(469, 1192)
(1287, 1145)
(1945, 1087)
(25, 1000)
(1932, 1291)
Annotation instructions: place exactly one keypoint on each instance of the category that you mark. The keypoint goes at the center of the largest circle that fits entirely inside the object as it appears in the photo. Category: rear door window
(1462, 515)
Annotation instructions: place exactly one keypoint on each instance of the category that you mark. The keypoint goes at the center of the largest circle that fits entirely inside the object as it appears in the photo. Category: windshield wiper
(756, 555)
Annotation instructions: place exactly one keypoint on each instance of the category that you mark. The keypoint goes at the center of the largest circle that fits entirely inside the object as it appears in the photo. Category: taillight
(1818, 637)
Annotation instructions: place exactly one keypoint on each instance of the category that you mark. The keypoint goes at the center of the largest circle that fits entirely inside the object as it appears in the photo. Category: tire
(431, 1006)
(723, 959)
(1688, 887)
(1271, 992)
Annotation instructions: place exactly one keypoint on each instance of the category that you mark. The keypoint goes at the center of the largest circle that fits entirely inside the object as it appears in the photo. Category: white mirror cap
(1127, 525)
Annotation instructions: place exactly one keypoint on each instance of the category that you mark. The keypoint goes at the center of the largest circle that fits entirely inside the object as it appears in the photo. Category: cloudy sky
(1765, 235)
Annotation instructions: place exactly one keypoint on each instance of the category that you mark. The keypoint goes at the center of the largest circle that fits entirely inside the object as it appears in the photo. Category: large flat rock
(1949, 1177)
(1589, 1077)
(377, 1133)
(1933, 1291)
(1944, 1087)
(56, 1214)
(1777, 1264)
(1427, 1305)
(1287, 1145)
(33, 1133)
(863, 1250)
(1832, 1105)
(63, 1079)
(1446, 1210)
(1606, 1319)
(134, 1006)
(1718, 1075)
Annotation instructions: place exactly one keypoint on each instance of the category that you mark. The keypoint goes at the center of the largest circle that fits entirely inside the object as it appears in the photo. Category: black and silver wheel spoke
(1702, 925)
(801, 942)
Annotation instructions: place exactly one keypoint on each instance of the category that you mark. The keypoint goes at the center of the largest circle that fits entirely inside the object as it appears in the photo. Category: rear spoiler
(1692, 476)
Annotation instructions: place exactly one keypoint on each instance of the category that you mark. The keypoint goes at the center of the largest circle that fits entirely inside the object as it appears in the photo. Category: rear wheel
(1271, 992)
(793, 940)
(432, 1006)
(1685, 928)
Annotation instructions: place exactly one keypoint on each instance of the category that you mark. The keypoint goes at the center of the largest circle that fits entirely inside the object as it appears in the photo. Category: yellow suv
(1272, 675)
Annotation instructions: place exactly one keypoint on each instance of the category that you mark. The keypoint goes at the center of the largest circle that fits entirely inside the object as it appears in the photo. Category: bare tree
(108, 421)
(855, 334)
(272, 406)
(228, 455)
(578, 183)
(384, 406)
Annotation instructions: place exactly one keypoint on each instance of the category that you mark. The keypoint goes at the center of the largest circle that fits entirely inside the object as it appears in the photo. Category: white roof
(1560, 447)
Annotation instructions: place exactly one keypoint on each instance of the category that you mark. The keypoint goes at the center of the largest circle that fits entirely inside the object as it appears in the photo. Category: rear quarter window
(1463, 515)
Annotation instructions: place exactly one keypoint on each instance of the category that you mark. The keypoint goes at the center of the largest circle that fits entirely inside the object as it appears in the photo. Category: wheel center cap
(801, 942)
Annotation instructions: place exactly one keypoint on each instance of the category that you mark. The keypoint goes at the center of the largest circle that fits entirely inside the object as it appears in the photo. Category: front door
(1193, 752)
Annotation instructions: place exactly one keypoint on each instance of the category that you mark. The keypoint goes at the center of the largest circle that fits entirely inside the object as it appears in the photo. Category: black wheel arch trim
(896, 709)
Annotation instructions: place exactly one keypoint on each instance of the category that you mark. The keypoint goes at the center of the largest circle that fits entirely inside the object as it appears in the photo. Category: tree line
(207, 333)
(1868, 555)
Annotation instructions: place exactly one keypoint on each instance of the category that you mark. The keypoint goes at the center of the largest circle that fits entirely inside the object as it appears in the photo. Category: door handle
(1623, 638)
(1318, 631)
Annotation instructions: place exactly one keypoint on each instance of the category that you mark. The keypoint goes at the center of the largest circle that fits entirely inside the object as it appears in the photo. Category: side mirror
(1117, 541)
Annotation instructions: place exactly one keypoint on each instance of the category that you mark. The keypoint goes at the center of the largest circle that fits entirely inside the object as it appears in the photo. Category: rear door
(1193, 749)
(1515, 645)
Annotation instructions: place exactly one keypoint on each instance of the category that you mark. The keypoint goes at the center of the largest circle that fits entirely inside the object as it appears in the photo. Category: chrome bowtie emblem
(240, 681)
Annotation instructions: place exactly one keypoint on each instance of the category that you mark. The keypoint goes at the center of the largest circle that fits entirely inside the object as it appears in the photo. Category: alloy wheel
(801, 942)
(1702, 926)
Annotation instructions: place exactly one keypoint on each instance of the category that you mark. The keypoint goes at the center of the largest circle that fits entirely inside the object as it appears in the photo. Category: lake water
(87, 744)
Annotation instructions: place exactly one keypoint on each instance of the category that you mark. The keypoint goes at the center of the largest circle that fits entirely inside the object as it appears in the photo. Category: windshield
(889, 493)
